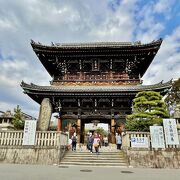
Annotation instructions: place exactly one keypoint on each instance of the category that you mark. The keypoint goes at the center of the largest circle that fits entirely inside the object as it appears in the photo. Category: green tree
(148, 109)
(173, 97)
(18, 118)
(101, 131)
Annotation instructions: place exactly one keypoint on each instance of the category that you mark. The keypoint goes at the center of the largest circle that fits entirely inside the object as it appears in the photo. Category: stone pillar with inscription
(44, 115)
(113, 131)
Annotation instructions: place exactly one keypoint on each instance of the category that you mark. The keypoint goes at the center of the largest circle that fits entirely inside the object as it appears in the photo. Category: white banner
(157, 137)
(139, 142)
(29, 132)
(170, 130)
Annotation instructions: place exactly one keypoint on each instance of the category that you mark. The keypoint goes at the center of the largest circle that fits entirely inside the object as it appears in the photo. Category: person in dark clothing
(74, 142)
(90, 142)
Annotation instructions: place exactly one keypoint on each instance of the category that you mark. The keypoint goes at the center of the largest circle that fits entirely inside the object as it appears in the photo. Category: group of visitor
(95, 141)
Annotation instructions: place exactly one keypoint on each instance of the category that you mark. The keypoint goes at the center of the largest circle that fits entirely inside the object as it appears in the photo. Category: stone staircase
(107, 157)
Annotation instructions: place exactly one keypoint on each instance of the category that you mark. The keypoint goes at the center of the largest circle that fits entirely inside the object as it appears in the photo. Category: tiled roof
(94, 44)
(131, 88)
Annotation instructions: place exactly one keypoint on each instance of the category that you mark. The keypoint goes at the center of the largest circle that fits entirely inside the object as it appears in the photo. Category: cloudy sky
(49, 21)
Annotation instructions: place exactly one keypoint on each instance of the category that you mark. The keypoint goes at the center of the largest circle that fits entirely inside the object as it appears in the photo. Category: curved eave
(37, 93)
(76, 46)
(145, 52)
(28, 88)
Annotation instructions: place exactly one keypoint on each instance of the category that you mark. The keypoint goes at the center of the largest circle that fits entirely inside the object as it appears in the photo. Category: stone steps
(94, 164)
(85, 158)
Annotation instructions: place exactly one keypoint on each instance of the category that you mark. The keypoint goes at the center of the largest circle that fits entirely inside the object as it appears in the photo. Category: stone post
(44, 115)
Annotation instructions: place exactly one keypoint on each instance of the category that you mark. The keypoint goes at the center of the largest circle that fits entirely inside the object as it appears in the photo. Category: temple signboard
(157, 137)
(170, 130)
(139, 142)
(29, 132)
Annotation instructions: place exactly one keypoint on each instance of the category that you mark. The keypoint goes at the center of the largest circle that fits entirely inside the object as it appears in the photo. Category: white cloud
(163, 6)
(166, 64)
(75, 21)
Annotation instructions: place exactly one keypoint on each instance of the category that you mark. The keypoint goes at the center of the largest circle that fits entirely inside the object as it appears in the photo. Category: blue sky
(49, 21)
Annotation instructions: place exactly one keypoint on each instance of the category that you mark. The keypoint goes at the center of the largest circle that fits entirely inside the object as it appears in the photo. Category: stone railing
(126, 139)
(42, 139)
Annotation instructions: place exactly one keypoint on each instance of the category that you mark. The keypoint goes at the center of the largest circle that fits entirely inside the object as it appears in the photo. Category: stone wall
(169, 158)
(34, 155)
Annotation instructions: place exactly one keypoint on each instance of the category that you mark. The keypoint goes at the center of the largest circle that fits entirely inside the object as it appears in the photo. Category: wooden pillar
(113, 132)
(59, 126)
(78, 130)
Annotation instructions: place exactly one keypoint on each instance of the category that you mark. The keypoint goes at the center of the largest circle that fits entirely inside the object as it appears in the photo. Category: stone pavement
(40, 172)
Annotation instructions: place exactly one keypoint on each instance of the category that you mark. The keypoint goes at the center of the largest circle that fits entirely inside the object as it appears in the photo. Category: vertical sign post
(157, 137)
(170, 130)
(29, 132)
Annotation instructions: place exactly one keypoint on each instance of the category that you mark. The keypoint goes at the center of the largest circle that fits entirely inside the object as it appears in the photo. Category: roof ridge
(94, 44)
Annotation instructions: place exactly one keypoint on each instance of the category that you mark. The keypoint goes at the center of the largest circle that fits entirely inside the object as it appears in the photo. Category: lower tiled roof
(120, 88)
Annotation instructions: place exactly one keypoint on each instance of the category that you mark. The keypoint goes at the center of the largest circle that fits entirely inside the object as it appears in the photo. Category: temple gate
(91, 81)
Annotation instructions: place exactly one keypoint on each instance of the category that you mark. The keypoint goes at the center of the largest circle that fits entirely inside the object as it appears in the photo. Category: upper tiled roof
(94, 44)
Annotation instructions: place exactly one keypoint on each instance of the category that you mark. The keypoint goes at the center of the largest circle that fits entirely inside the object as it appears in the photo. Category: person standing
(90, 142)
(105, 140)
(96, 143)
(74, 142)
(119, 141)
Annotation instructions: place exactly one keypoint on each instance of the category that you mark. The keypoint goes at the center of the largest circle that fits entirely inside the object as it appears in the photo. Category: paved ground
(39, 172)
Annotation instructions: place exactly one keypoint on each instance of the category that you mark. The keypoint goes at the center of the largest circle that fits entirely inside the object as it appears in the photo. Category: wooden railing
(126, 139)
(42, 138)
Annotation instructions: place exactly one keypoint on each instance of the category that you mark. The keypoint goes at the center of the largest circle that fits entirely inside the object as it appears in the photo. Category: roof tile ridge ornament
(32, 41)
(32, 84)
(23, 84)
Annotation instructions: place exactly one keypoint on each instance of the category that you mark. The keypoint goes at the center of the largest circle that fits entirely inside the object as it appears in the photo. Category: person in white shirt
(96, 143)
(118, 141)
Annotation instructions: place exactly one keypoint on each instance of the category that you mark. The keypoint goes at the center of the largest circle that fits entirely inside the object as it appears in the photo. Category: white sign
(170, 130)
(29, 132)
(139, 142)
(157, 137)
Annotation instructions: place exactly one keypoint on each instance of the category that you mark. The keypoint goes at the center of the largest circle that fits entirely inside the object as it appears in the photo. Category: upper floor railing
(82, 77)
